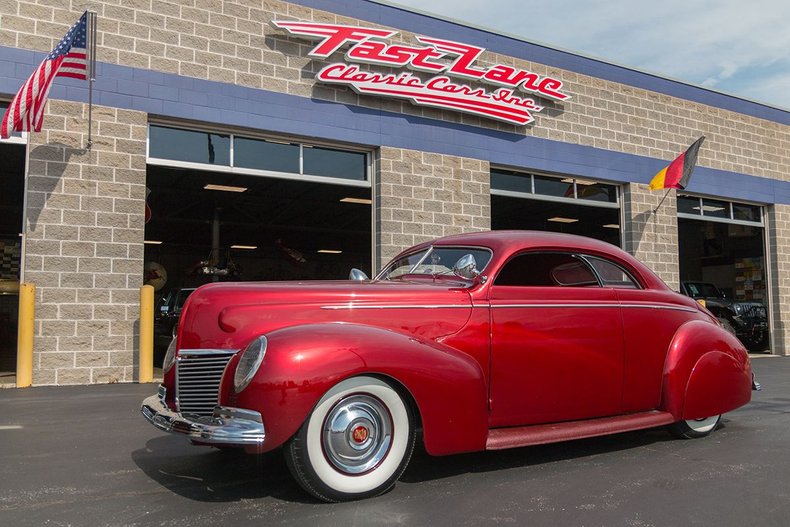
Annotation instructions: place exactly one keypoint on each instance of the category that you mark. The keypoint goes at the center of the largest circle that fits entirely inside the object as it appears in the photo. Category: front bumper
(228, 426)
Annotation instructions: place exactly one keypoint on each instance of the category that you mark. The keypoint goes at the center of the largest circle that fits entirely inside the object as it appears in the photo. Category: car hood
(228, 315)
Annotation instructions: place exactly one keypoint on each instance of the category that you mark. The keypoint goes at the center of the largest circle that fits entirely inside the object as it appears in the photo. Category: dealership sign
(509, 99)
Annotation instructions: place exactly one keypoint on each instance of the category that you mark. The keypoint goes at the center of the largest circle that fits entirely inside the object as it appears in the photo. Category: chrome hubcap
(357, 434)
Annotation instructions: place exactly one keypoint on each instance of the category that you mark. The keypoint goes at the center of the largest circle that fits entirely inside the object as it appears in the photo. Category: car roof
(506, 242)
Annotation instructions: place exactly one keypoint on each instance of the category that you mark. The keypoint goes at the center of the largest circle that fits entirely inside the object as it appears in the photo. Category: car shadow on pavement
(210, 475)
(425, 467)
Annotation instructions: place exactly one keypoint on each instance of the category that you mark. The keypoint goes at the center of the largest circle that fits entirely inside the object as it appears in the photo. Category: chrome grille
(198, 374)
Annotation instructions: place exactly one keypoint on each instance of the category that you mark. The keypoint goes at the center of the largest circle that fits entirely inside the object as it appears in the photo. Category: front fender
(707, 372)
(303, 362)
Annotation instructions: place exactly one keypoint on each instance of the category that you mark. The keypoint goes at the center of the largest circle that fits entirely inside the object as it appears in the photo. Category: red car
(482, 341)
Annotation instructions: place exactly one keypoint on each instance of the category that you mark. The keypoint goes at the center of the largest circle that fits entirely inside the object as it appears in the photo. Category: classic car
(480, 341)
(747, 320)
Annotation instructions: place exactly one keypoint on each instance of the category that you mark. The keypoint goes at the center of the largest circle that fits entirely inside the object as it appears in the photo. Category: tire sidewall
(336, 484)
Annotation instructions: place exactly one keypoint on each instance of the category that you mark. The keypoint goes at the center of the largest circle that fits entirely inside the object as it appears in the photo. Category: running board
(501, 438)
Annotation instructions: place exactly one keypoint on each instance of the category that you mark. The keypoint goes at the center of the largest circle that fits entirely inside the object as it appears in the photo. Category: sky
(739, 47)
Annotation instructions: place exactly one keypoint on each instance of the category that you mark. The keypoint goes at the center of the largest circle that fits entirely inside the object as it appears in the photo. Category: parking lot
(83, 455)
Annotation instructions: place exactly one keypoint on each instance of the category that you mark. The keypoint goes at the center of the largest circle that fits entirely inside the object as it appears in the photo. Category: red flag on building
(678, 173)
(68, 59)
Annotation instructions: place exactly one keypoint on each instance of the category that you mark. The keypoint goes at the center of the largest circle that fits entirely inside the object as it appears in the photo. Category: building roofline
(384, 13)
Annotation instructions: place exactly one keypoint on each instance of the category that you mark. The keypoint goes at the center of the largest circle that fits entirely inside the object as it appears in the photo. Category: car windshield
(703, 289)
(434, 261)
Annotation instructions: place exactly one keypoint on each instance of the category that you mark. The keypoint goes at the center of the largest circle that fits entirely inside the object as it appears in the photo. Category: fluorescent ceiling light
(559, 219)
(152, 242)
(329, 251)
(612, 226)
(247, 247)
(225, 188)
(709, 208)
(361, 201)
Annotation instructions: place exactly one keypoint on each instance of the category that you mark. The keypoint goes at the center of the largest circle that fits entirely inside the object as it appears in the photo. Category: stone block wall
(84, 243)
(420, 196)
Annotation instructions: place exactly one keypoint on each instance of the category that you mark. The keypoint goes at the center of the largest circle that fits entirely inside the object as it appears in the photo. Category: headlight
(170, 356)
(250, 361)
(739, 308)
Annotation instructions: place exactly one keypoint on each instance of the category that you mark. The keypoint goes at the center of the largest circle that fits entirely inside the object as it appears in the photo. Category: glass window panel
(688, 205)
(546, 270)
(265, 155)
(512, 181)
(612, 274)
(335, 163)
(746, 212)
(553, 187)
(188, 145)
(597, 192)
(715, 209)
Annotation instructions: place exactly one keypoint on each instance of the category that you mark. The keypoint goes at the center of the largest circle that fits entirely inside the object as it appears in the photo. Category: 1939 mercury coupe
(483, 341)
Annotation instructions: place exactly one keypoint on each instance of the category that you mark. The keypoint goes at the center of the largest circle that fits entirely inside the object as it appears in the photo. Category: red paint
(475, 357)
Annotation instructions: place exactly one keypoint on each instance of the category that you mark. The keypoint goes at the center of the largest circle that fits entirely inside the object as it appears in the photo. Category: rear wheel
(694, 428)
(355, 444)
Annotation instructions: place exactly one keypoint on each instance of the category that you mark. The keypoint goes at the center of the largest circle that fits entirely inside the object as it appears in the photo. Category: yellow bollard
(146, 362)
(24, 346)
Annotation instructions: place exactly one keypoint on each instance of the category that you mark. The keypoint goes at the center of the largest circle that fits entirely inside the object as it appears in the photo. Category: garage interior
(211, 226)
(12, 175)
(556, 204)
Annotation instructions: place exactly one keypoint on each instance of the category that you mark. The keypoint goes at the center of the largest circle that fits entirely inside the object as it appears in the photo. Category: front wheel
(355, 444)
(694, 428)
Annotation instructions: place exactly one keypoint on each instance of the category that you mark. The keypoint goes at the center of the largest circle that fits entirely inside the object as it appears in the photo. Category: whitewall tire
(356, 442)
(694, 428)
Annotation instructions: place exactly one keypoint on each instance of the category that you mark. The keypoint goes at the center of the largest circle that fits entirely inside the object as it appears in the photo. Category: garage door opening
(12, 175)
(570, 205)
(722, 262)
(225, 207)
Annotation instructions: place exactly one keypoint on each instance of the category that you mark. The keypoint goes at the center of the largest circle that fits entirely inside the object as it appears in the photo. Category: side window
(611, 274)
(547, 270)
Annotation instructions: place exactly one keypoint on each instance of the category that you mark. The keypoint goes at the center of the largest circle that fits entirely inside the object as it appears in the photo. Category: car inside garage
(722, 251)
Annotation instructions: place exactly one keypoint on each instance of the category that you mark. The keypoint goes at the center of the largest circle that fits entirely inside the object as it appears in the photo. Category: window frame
(232, 169)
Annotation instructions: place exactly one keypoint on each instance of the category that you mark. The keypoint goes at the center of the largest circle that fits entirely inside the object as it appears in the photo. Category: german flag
(678, 173)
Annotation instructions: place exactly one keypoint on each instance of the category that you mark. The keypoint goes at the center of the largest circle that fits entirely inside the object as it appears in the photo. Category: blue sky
(737, 47)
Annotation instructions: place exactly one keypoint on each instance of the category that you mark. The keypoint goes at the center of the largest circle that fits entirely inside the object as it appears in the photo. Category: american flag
(68, 59)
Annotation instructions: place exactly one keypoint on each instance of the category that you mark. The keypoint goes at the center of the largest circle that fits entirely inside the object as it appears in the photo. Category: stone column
(420, 196)
(84, 243)
(778, 253)
(650, 235)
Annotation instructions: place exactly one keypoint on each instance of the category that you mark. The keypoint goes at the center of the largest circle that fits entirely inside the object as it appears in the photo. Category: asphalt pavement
(84, 455)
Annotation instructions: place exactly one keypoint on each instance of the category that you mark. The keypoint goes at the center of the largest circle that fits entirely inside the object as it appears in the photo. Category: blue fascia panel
(236, 106)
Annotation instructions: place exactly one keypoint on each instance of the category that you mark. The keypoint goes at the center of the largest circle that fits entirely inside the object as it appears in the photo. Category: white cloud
(722, 44)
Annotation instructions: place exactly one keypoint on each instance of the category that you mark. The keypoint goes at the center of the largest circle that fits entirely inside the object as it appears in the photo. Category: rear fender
(707, 372)
(303, 362)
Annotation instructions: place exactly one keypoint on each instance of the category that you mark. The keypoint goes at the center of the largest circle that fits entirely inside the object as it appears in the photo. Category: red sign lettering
(435, 56)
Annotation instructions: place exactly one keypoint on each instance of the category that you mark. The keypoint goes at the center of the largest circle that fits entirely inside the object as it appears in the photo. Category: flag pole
(91, 72)
(655, 211)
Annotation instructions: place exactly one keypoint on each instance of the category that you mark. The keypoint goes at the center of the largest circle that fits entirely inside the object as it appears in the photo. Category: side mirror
(357, 275)
(466, 267)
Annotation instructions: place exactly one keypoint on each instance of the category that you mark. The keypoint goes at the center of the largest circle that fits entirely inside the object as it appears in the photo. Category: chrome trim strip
(206, 351)
(398, 306)
(227, 426)
(660, 306)
(613, 304)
